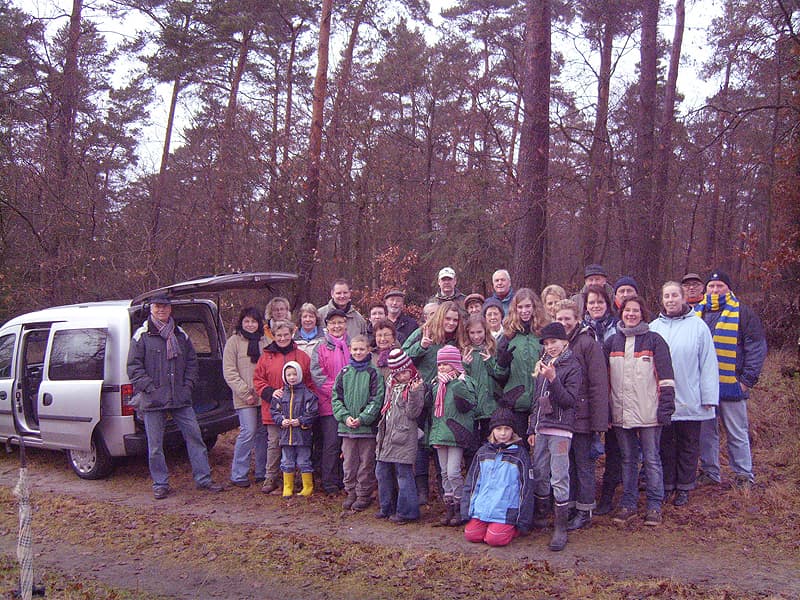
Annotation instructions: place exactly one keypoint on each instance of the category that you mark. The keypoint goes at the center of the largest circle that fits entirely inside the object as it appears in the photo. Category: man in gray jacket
(162, 366)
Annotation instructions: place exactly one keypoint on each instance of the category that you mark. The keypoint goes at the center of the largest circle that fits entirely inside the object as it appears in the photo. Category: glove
(505, 356)
(266, 394)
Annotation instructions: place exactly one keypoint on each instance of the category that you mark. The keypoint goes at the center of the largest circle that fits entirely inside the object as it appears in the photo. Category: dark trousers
(397, 491)
(612, 474)
(581, 472)
(327, 453)
(680, 453)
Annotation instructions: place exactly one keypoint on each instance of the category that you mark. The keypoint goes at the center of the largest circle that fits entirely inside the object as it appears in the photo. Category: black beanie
(501, 417)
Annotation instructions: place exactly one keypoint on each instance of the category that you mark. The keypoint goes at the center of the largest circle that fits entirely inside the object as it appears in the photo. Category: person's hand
(286, 423)
(278, 393)
(745, 389)
(485, 355)
(531, 439)
(252, 399)
(295, 422)
(426, 341)
(548, 371)
(356, 423)
(416, 384)
(466, 356)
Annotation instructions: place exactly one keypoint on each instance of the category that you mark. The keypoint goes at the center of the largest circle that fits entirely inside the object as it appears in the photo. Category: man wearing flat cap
(741, 349)
(394, 300)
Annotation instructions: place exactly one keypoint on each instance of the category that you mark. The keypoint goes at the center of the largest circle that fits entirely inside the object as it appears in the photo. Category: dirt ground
(121, 530)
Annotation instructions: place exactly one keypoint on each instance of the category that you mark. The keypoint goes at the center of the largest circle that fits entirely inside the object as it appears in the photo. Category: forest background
(338, 139)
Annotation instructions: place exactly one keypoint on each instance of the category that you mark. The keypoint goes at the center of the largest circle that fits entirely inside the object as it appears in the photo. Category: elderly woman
(551, 296)
(309, 332)
(385, 342)
(278, 309)
(267, 378)
(642, 402)
(242, 351)
(694, 362)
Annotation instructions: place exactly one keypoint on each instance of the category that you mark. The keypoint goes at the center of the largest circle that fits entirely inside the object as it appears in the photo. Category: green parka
(456, 427)
(517, 380)
(358, 394)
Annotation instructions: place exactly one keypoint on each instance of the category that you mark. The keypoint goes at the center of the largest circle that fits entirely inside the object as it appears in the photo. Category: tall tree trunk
(535, 148)
(719, 158)
(662, 192)
(287, 122)
(313, 202)
(600, 151)
(643, 263)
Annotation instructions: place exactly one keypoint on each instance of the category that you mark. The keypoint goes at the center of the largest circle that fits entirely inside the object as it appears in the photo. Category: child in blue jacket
(498, 491)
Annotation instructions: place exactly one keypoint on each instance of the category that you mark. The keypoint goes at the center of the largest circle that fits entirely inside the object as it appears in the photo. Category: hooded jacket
(499, 486)
(268, 375)
(297, 402)
(694, 363)
(641, 377)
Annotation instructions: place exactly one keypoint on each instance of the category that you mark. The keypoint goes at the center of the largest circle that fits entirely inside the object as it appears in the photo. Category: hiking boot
(381, 515)
(706, 479)
(269, 486)
(681, 498)
(361, 504)
(448, 511)
(581, 520)
(349, 501)
(210, 486)
(742, 482)
(242, 483)
(624, 514)
(456, 519)
(606, 504)
(653, 517)
(160, 493)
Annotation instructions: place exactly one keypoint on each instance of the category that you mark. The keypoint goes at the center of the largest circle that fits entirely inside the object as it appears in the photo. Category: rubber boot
(541, 510)
(422, 488)
(448, 511)
(559, 539)
(581, 520)
(456, 519)
(288, 485)
(606, 504)
(308, 484)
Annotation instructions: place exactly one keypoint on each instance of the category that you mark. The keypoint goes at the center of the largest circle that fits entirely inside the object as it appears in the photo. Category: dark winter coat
(161, 384)
(561, 395)
(591, 409)
(297, 402)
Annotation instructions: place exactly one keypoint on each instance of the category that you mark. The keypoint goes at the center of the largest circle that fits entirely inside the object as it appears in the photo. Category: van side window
(198, 334)
(78, 354)
(6, 354)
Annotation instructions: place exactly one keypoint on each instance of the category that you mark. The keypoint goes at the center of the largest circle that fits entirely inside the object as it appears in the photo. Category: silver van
(64, 382)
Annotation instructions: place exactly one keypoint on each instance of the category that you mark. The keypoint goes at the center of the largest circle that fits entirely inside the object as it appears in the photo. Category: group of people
(516, 389)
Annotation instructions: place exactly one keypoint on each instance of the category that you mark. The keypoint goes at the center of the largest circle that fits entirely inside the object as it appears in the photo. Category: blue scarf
(360, 365)
(310, 335)
(726, 334)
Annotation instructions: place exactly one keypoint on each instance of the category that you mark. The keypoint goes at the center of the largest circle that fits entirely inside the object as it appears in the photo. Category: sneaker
(742, 482)
(681, 498)
(244, 483)
(211, 486)
(653, 517)
(361, 504)
(706, 479)
(160, 493)
(624, 514)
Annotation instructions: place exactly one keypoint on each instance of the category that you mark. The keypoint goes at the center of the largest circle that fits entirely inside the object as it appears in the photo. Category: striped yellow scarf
(726, 334)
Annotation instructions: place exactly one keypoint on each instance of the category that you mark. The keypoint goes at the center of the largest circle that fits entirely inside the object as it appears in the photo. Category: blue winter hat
(719, 275)
(492, 301)
(627, 280)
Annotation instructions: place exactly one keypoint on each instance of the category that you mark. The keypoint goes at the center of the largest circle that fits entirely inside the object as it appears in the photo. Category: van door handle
(3, 395)
(47, 399)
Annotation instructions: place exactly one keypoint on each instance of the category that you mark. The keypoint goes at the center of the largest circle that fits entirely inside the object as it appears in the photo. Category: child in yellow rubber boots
(294, 408)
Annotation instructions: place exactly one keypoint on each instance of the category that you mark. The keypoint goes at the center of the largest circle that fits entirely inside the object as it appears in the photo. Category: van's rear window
(78, 354)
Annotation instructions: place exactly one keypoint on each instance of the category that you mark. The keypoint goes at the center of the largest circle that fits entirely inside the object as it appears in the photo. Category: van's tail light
(127, 393)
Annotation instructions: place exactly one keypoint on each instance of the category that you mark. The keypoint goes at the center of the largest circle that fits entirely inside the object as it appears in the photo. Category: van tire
(95, 463)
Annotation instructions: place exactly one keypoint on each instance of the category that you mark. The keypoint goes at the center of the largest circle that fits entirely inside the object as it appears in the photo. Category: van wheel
(94, 463)
(210, 441)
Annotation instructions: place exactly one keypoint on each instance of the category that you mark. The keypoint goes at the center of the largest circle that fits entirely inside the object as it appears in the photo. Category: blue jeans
(551, 466)
(397, 491)
(650, 440)
(252, 438)
(734, 418)
(186, 420)
(296, 457)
